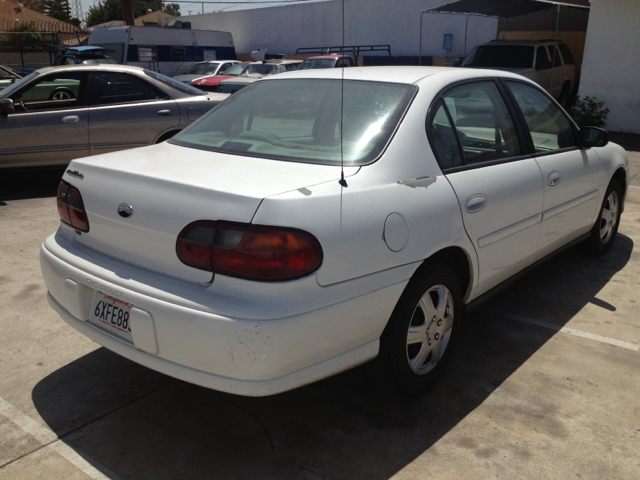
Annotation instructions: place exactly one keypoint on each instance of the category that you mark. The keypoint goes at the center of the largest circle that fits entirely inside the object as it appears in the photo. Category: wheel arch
(621, 176)
(458, 260)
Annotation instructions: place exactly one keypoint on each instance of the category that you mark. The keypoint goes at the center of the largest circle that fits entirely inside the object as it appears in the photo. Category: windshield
(15, 86)
(500, 56)
(183, 87)
(257, 70)
(317, 63)
(202, 69)
(300, 120)
(237, 69)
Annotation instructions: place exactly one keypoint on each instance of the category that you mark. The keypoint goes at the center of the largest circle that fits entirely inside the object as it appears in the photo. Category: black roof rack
(355, 50)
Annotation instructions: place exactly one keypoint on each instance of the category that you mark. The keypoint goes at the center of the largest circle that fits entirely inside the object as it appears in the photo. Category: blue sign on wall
(447, 43)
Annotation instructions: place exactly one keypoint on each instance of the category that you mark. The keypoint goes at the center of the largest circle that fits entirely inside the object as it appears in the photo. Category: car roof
(409, 75)
(85, 49)
(107, 66)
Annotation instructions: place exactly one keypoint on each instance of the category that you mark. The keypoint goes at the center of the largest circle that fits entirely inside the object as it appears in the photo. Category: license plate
(112, 314)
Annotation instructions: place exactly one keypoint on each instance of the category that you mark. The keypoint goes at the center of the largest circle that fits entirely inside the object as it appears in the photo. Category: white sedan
(311, 223)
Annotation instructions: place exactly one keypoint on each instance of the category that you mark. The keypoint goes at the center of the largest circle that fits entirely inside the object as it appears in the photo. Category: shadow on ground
(137, 423)
(29, 183)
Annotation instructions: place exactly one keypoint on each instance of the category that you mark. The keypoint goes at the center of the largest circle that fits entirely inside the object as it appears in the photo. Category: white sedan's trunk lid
(168, 187)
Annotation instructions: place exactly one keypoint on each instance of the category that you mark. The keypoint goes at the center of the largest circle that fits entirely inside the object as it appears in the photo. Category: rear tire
(605, 229)
(419, 339)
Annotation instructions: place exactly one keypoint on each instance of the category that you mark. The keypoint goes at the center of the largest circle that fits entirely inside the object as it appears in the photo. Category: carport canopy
(501, 8)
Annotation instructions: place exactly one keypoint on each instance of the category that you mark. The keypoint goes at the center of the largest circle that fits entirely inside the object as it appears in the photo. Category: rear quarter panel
(350, 222)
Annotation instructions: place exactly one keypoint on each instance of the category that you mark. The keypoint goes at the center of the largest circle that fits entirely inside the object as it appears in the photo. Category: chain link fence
(20, 50)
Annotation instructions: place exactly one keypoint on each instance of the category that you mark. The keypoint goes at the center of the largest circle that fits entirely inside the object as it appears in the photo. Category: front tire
(419, 339)
(605, 229)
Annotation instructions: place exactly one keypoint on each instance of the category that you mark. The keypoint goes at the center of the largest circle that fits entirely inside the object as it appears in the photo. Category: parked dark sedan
(60, 113)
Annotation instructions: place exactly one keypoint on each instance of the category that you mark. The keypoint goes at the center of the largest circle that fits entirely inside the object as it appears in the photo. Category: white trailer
(166, 50)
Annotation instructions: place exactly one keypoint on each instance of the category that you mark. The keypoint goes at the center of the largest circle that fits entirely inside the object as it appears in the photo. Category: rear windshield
(300, 120)
(183, 87)
(501, 56)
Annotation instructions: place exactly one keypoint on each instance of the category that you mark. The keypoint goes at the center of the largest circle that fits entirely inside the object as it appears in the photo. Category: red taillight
(71, 208)
(248, 251)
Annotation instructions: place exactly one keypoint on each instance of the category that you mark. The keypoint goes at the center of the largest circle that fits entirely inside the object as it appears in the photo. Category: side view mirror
(543, 65)
(458, 62)
(7, 106)
(593, 137)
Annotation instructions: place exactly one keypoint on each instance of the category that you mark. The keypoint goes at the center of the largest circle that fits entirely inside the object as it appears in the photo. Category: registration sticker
(112, 314)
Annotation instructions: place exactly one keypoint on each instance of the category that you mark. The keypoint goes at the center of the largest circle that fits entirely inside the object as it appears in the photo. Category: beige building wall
(611, 67)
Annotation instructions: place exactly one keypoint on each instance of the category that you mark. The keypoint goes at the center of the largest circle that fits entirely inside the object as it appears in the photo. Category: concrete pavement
(545, 384)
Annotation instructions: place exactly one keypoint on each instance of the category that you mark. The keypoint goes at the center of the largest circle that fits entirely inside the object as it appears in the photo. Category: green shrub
(587, 112)
(31, 36)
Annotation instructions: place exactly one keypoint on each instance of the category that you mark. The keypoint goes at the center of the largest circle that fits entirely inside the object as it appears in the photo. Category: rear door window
(476, 116)
(115, 87)
(558, 58)
(566, 54)
(542, 58)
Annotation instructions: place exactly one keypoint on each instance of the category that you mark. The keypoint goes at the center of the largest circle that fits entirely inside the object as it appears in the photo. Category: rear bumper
(253, 357)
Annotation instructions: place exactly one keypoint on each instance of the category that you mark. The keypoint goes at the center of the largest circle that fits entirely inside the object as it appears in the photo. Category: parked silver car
(60, 113)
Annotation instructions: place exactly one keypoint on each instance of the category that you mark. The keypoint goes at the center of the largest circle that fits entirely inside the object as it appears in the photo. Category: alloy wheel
(430, 329)
(609, 217)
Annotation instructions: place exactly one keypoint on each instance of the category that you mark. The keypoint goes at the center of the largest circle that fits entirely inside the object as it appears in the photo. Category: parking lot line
(50, 440)
(633, 186)
(572, 331)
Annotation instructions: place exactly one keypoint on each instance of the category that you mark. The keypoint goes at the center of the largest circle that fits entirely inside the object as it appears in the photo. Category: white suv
(532, 59)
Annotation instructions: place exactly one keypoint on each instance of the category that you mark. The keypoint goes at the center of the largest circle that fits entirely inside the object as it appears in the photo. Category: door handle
(71, 119)
(554, 179)
(164, 112)
(475, 203)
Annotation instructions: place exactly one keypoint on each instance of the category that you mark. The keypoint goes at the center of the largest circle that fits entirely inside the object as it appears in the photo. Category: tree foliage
(108, 10)
(58, 9)
(30, 37)
(36, 5)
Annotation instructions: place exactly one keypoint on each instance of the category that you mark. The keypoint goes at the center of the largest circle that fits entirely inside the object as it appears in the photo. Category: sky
(196, 7)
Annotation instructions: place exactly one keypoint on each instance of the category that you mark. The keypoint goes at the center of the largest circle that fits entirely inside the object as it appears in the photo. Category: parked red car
(210, 83)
